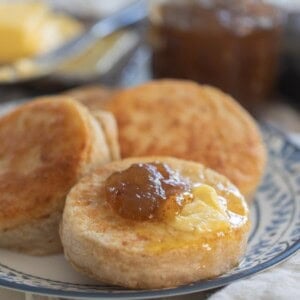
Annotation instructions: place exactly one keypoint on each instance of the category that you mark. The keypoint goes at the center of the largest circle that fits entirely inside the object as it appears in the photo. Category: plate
(274, 237)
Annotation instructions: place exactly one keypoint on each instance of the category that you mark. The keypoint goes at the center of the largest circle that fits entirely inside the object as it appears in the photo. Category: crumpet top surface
(43, 145)
(193, 122)
(88, 212)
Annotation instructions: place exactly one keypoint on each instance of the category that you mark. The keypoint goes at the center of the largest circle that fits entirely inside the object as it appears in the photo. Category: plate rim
(177, 291)
(199, 286)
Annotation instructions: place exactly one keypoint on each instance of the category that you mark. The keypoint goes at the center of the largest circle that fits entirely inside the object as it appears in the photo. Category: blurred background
(248, 48)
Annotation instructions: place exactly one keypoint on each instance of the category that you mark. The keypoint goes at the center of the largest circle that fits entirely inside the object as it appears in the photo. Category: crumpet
(193, 122)
(46, 146)
(203, 240)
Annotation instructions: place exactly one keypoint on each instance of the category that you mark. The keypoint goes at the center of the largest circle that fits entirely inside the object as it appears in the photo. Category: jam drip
(147, 191)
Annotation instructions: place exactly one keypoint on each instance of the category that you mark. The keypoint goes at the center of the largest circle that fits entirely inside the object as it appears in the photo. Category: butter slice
(20, 29)
(208, 195)
(204, 214)
(31, 28)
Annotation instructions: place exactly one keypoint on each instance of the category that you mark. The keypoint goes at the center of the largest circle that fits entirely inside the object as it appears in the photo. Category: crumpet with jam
(154, 222)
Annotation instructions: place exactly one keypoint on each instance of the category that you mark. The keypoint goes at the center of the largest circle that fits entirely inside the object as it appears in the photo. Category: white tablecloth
(279, 283)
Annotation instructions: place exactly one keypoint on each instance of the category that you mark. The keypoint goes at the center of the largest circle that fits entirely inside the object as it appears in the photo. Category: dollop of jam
(147, 191)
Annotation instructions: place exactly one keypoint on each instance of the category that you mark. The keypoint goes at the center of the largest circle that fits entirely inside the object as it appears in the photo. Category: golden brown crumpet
(193, 122)
(109, 126)
(95, 98)
(46, 146)
(203, 240)
(92, 96)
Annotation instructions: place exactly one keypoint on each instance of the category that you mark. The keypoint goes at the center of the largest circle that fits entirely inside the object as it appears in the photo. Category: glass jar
(231, 44)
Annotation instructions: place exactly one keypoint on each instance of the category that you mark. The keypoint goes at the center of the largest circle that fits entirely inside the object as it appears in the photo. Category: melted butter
(208, 195)
(170, 244)
(206, 218)
(211, 212)
(204, 214)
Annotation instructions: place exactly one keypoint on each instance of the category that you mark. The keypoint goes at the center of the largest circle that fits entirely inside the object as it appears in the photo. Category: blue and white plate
(274, 237)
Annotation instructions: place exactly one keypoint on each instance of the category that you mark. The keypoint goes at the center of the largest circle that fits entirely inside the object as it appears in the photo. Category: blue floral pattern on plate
(274, 237)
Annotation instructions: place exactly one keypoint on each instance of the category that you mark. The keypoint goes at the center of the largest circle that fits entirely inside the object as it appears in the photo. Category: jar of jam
(231, 44)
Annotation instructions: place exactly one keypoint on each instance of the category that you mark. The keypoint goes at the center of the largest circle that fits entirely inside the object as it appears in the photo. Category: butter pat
(31, 28)
(20, 29)
(209, 196)
(204, 214)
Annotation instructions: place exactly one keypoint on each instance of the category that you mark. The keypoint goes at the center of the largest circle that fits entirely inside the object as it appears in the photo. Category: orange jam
(147, 191)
